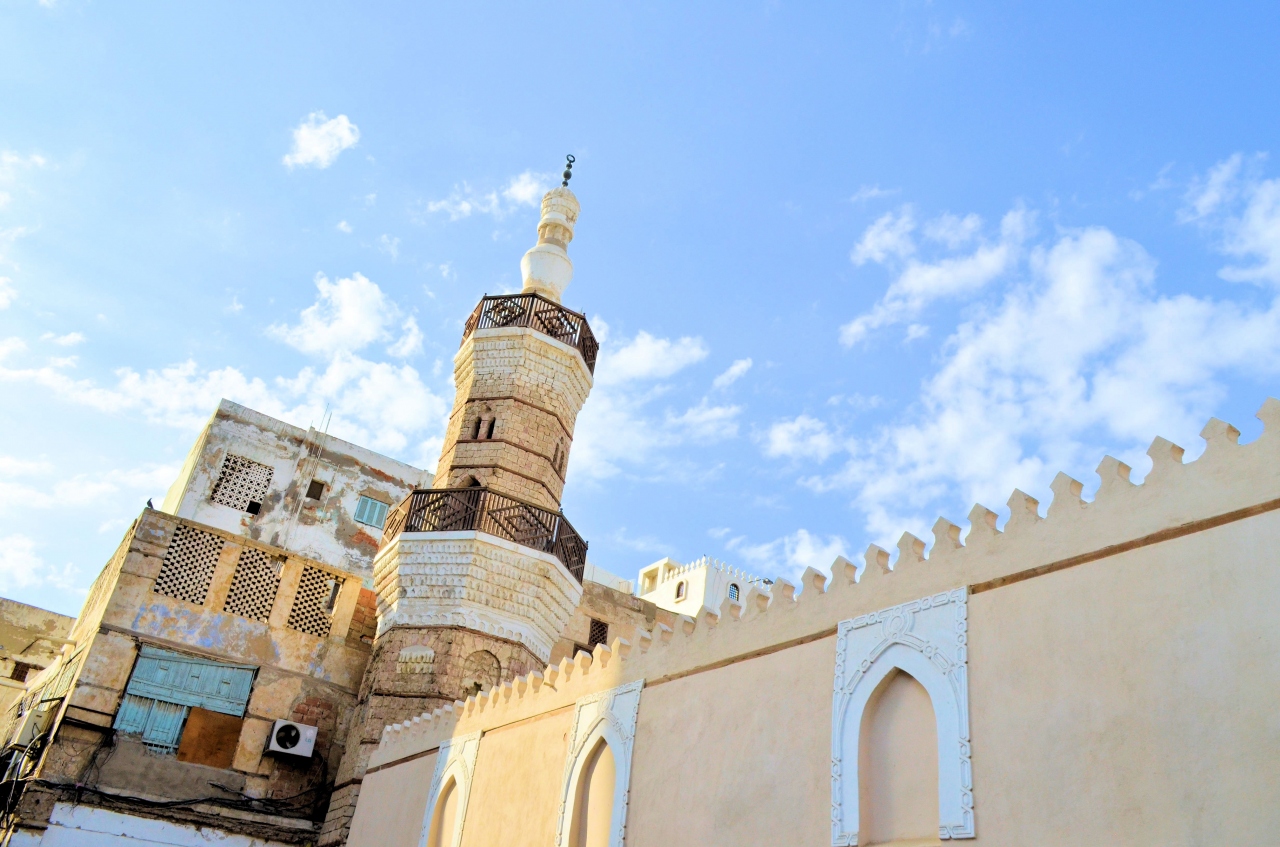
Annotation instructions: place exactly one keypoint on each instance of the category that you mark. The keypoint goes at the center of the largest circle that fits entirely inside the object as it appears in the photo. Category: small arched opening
(734, 591)
(480, 672)
(593, 805)
(444, 820)
(682, 588)
(898, 764)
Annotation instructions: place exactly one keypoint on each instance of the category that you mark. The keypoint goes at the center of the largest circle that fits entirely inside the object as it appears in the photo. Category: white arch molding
(927, 638)
(609, 715)
(457, 761)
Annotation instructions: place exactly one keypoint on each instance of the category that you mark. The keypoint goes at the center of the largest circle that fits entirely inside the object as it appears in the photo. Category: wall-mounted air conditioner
(292, 738)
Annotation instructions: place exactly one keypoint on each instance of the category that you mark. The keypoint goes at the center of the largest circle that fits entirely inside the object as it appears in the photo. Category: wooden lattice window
(254, 586)
(313, 604)
(188, 565)
(598, 634)
(242, 484)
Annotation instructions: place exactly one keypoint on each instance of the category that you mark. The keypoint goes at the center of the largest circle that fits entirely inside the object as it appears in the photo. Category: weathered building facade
(238, 658)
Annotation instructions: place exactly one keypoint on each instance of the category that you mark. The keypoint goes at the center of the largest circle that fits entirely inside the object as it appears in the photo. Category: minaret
(477, 576)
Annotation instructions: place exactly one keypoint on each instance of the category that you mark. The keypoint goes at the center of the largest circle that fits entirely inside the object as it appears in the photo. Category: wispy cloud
(69, 340)
(523, 190)
(318, 140)
(732, 374)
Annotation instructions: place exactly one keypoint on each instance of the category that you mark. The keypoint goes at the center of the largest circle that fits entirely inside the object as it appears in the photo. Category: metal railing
(483, 510)
(539, 313)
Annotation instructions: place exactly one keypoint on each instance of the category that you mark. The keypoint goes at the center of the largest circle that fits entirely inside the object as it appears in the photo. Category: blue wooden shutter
(165, 685)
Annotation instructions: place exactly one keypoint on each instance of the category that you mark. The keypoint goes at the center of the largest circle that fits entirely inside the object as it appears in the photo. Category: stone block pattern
(532, 389)
(463, 579)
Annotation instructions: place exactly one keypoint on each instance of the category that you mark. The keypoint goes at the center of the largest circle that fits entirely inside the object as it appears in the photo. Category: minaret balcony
(538, 313)
(479, 509)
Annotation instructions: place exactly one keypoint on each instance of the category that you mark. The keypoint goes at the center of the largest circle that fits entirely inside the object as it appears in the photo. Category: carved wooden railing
(539, 313)
(482, 510)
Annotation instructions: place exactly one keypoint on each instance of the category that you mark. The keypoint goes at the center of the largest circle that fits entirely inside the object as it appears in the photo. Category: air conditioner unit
(31, 725)
(292, 738)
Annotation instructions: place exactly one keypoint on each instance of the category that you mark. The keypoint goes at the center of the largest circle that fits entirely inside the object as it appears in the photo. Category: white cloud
(1244, 209)
(22, 567)
(705, 422)
(523, 190)
(348, 315)
(889, 237)
(69, 340)
(317, 141)
(343, 226)
(789, 555)
(235, 306)
(410, 342)
(389, 245)
(1082, 359)
(920, 283)
(7, 292)
(802, 437)
(732, 374)
(383, 406)
(871, 192)
(647, 357)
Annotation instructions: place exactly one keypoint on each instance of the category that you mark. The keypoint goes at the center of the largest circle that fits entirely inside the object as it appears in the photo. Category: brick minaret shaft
(519, 392)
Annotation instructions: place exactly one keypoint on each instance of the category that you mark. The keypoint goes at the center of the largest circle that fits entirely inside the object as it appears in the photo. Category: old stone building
(239, 656)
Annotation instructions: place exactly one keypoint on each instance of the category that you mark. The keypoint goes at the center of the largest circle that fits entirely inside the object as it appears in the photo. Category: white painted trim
(610, 715)
(456, 760)
(927, 638)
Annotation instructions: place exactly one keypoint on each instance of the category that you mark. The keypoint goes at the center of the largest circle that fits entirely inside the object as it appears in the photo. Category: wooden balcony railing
(536, 312)
(482, 510)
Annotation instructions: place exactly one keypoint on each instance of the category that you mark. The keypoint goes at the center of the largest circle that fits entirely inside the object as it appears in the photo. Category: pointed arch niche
(450, 789)
(597, 771)
(925, 640)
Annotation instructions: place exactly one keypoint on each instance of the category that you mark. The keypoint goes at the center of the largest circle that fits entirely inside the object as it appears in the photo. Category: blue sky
(856, 265)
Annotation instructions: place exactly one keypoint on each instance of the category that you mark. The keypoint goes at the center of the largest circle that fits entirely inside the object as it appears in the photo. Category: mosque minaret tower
(477, 576)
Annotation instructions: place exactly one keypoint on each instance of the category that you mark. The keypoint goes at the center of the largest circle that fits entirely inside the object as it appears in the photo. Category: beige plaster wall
(1122, 665)
(515, 798)
(392, 816)
(739, 755)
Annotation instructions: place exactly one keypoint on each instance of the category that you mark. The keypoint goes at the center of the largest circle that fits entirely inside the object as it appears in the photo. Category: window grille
(598, 634)
(681, 587)
(371, 512)
(188, 565)
(733, 591)
(242, 484)
(254, 586)
(316, 591)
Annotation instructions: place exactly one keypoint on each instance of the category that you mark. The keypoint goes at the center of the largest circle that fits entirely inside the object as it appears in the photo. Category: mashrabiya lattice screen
(241, 482)
(310, 612)
(188, 564)
(254, 586)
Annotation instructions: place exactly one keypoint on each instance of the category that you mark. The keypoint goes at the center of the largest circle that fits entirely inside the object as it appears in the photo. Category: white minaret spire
(546, 268)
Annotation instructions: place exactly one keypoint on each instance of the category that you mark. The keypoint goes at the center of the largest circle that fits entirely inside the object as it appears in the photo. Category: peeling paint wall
(310, 678)
(322, 529)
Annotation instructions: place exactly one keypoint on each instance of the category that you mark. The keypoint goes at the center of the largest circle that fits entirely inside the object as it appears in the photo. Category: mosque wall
(1111, 667)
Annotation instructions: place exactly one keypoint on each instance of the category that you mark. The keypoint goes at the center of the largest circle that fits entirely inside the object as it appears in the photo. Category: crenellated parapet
(1229, 483)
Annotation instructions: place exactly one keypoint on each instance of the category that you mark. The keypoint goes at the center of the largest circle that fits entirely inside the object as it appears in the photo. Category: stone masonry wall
(532, 388)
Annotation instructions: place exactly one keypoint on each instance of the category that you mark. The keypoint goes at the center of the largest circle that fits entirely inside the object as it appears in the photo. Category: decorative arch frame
(611, 716)
(457, 761)
(928, 639)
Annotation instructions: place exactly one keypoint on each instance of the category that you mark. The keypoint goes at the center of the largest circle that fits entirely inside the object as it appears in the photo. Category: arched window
(444, 822)
(898, 763)
(734, 593)
(681, 588)
(593, 809)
